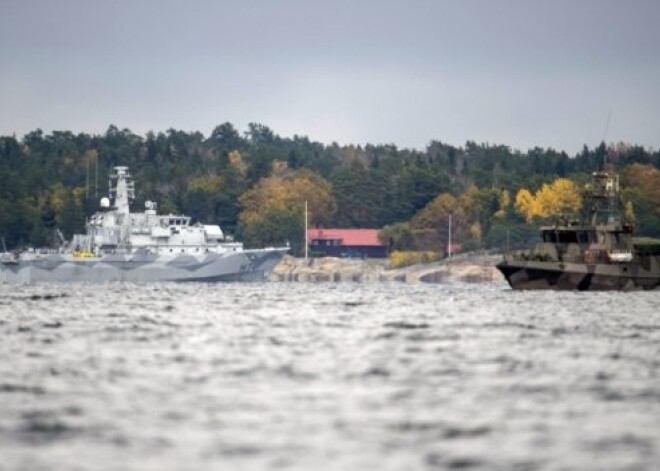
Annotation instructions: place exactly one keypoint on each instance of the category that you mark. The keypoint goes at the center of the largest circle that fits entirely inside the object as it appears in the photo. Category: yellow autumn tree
(236, 162)
(273, 210)
(560, 197)
(557, 198)
(437, 210)
(504, 203)
(475, 231)
(208, 183)
(470, 203)
(525, 204)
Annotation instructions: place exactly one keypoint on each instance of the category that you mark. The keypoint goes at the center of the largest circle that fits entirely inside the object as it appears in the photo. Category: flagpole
(449, 243)
(306, 236)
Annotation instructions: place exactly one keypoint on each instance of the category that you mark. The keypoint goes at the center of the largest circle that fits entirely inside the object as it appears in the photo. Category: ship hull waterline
(538, 275)
(246, 265)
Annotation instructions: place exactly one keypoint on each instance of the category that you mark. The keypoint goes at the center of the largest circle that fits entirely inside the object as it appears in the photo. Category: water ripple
(355, 376)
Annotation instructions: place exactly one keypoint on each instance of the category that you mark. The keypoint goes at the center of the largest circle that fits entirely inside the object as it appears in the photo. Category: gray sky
(522, 73)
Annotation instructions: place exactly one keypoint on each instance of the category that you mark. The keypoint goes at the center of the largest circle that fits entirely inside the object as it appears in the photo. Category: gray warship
(597, 253)
(120, 245)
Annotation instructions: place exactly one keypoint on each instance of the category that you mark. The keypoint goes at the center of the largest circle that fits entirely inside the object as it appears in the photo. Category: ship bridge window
(583, 237)
(568, 237)
(549, 236)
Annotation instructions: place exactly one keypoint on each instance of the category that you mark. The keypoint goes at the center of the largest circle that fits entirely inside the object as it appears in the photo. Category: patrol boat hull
(598, 253)
(247, 265)
(575, 276)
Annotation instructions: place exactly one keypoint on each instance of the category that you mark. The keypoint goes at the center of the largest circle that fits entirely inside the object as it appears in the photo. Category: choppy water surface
(327, 376)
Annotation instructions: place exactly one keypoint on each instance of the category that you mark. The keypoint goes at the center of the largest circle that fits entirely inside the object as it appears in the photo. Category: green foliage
(398, 236)
(70, 220)
(358, 196)
(50, 181)
(275, 227)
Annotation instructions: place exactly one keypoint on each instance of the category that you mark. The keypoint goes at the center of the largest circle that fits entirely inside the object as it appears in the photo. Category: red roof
(352, 237)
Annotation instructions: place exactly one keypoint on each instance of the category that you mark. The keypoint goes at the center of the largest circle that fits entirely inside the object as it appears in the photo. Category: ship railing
(527, 256)
(588, 256)
(572, 258)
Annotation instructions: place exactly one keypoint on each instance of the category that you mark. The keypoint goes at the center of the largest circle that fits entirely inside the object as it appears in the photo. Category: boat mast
(124, 191)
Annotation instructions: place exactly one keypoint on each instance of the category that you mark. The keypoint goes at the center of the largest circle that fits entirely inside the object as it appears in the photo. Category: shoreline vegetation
(473, 267)
(259, 187)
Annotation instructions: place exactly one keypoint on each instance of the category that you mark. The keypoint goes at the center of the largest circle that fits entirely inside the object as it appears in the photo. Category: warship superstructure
(597, 253)
(120, 245)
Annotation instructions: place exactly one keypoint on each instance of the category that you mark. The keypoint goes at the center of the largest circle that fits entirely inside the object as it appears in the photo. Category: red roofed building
(346, 243)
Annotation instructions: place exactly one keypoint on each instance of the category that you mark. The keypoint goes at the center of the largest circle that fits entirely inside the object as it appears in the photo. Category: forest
(255, 184)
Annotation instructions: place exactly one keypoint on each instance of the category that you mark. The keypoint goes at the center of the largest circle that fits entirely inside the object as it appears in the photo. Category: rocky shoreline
(464, 268)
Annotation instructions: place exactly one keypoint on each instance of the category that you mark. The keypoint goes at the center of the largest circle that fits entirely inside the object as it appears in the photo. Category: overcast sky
(522, 73)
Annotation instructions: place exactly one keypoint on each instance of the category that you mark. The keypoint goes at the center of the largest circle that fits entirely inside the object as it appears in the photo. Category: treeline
(254, 184)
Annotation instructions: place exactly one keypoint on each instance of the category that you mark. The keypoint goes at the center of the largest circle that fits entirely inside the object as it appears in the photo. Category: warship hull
(540, 275)
(245, 265)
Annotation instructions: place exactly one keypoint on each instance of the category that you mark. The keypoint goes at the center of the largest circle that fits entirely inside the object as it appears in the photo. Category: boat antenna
(607, 127)
(607, 123)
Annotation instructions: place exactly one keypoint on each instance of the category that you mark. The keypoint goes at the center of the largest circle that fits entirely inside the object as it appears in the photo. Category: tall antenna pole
(306, 236)
(607, 127)
(607, 124)
(449, 241)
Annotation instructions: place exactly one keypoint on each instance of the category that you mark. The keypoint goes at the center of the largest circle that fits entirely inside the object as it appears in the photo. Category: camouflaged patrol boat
(140, 247)
(597, 254)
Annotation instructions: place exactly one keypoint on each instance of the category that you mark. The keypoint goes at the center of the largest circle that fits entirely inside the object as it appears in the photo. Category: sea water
(284, 376)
